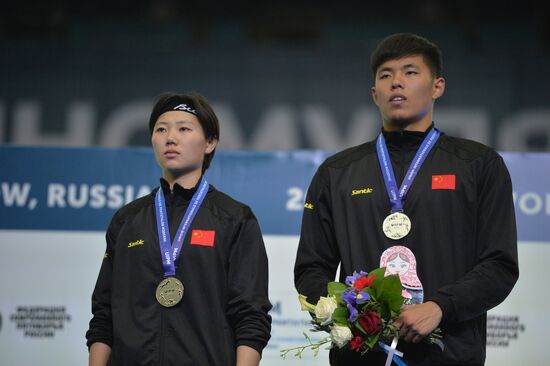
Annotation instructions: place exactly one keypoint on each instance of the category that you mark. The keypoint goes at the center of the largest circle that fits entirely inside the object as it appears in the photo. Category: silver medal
(169, 292)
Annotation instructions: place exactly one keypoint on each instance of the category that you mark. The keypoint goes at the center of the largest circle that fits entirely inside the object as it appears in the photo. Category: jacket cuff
(106, 341)
(258, 346)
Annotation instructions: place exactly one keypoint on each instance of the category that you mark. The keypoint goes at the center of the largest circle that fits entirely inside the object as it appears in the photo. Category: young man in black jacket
(414, 192)
(184, 278)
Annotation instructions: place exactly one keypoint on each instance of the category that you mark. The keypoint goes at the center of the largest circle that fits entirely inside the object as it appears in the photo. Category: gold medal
(396, 226)
(169, 292)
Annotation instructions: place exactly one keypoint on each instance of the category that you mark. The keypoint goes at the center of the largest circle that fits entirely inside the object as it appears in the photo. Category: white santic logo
(185, 108)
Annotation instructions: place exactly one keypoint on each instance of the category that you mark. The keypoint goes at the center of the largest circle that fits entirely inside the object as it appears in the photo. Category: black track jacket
(225, 302)
(464, 239)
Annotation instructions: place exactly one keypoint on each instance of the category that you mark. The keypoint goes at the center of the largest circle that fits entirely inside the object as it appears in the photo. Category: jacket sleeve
(248, 303)
(496, 271)
(101, 326)
(317, 258)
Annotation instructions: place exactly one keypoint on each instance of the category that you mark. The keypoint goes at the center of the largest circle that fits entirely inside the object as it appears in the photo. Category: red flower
(356, 343)
(370, 321)
(363, 282)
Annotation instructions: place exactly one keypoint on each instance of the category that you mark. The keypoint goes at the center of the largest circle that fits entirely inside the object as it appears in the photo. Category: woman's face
(179, 142)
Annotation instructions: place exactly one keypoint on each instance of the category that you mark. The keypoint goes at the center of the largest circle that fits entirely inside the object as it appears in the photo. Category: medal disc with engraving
(396, 226)
(169, 292)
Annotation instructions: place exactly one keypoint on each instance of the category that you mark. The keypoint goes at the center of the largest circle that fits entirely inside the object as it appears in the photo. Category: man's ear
(438, 88)
(374, 95)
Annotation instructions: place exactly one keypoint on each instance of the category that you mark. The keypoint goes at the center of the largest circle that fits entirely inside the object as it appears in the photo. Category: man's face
(179, 142)
(405, 90)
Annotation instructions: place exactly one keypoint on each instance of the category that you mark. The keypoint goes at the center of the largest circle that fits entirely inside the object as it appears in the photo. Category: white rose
(324, 309)
(340, 335)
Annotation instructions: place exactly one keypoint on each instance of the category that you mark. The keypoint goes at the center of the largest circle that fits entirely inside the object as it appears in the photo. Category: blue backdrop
(79, 189)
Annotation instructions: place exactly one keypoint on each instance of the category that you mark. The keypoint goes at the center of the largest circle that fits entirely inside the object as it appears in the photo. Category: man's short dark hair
(204, 112)
(400, 45)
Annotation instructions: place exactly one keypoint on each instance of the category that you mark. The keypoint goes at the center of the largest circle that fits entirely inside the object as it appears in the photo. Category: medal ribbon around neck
(170, 252)
(397, 197)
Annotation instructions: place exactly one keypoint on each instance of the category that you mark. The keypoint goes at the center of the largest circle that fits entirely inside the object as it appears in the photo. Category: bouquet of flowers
(358, 314)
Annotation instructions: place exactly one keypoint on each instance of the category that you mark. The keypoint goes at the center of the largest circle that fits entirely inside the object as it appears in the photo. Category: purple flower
(353, 298)
(353, 313)
(350, 280)
(362, 297)
(350, 297)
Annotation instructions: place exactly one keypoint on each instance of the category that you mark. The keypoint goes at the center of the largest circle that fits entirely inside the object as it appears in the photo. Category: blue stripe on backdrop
(530, 174)
(80, 188)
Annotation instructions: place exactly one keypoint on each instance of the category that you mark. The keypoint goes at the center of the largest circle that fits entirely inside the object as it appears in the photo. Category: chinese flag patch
(447, 181)
(203, 237)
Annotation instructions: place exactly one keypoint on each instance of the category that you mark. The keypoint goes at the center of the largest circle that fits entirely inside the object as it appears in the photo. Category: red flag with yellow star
(447, 181)
(203, 237)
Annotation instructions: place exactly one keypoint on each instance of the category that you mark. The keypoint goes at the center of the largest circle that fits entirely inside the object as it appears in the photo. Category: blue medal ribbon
(397, 196)
(170, 252)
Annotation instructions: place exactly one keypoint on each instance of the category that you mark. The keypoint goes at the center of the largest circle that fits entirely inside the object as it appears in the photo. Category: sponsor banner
(517, 327)
(81, 188)
(45, 312)
(288, 321)
(45, 299)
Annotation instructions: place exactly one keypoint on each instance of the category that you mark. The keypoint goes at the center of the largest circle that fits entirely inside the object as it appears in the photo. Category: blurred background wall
(281, 75)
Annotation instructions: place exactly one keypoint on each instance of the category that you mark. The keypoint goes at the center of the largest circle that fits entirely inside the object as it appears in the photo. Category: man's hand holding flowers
(417, 321)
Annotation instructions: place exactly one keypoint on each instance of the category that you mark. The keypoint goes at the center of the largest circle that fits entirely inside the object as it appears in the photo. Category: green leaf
(379, 273)
(389, 294)
(340, 316)
(384, 311)
(370, 291)
(336, 289)
(306, 306)
(371, 341)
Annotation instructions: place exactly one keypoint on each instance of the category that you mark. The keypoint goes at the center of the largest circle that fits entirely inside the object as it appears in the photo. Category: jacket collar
(178, 194)
(408, 140)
